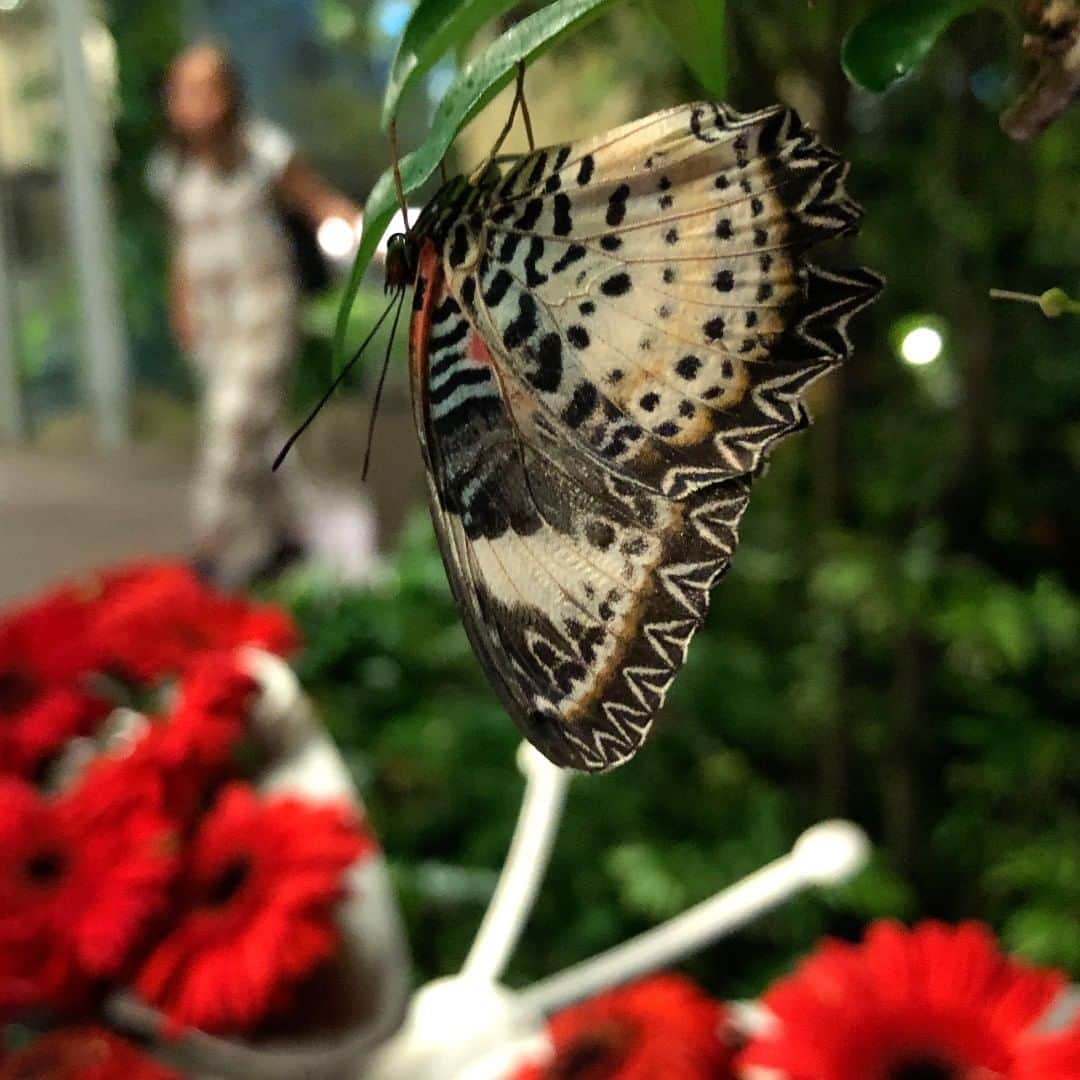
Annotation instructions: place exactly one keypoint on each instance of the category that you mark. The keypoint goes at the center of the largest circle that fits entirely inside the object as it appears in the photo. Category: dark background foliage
(899, 638)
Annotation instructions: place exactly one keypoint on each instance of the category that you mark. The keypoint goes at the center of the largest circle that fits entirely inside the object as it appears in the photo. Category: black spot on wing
(688, 366)
(523, 324)
(418, 293)
(496, 290)
(547, 373)
(563, 224)
(616, 209)
(460, 246)
(468, 292)
(572, 254)
(578, 336)
(509, 247)
(533, 277)
(451, 337)
(582, 404)
(714, 329)
(585, 170)
(616, 285)
(530, 215)
(537, 170)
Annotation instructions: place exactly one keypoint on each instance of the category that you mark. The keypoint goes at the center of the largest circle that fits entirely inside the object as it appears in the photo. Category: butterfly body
(606, 338)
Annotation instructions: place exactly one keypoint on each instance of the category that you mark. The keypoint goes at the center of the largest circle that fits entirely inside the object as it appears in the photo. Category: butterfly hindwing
(608, 336)
(579, 591)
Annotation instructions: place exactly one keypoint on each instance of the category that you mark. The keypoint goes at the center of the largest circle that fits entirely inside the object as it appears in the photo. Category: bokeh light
(336, 237)
(921, 345)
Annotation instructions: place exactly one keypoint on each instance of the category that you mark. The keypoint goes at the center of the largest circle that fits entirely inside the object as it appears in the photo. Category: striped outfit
(243, 291)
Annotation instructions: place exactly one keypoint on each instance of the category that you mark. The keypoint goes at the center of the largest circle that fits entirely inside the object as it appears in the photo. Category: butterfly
(607, 337)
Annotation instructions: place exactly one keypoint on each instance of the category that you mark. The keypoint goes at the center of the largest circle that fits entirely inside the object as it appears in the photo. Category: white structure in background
(12, 421)
(104, 340)
(469, 1027)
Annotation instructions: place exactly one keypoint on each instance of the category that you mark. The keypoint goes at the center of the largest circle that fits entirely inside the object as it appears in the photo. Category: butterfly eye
(400, 265)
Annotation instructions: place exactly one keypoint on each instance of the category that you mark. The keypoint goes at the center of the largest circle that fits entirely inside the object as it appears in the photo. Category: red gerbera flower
(931, 1003)
(153, 620)
(81, 878)
(1051, 1057)
(33, 734)
(82, 1053)
(189, 752)
(663, 1026)
(45, 656)
(260, 887)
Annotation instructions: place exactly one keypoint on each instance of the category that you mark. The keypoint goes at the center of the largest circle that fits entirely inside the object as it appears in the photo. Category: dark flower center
(923, 1068)
(16, 691)
(44, 867)
(596, 1051)
(229, 882)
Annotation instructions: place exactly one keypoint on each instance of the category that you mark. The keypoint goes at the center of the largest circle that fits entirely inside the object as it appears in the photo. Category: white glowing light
(336, 237)
(921, 346)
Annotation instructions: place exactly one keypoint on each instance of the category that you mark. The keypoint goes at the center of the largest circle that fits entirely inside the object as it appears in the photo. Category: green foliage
(478, 82)
(697, 30)
(898, 640)
(435, 28)
(894, 39)
(147, 36)
(899, 637)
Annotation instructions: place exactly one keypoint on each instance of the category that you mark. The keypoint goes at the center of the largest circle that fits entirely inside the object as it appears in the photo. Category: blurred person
(227, 180)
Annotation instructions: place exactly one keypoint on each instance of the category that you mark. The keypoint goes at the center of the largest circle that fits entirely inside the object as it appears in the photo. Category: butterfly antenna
(398, 185)
(291, 441)
(379, 389)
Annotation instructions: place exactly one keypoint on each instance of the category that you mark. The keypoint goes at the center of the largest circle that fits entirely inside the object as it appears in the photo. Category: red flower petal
(82, 878)
(663, 1026)
(153, 620)
(933, 997)
(259, 893)
(1054, 1057)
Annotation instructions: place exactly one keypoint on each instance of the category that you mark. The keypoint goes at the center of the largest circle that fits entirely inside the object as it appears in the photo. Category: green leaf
(474, 87)
(434, 28)
(896, 38)
(696, 29)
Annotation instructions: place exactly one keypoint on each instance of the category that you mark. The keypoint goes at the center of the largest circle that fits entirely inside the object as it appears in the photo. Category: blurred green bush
(899, 638)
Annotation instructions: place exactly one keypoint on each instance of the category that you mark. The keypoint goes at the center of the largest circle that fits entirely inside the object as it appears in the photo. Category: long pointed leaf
(434, 28)
(696, 28)
(477, 84)
(893, 40)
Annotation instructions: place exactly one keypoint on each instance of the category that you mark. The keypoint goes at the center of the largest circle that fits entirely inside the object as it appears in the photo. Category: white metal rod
(105, 345)
(829, 853)
(526, 862)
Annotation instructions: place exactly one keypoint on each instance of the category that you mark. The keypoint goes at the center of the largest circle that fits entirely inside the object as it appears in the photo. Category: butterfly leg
(400, 188)
(524, 105)
(519, 100)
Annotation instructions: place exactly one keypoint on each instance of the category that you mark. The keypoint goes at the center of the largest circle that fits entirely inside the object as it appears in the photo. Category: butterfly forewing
(608, 337)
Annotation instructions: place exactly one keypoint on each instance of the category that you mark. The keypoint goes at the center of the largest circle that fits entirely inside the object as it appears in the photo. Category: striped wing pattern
(607, 337)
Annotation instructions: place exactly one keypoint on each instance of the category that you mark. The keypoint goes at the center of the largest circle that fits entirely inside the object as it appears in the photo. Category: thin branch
(1052, 49)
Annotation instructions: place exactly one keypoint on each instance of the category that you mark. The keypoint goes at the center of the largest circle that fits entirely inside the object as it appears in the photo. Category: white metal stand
(467, 1026)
